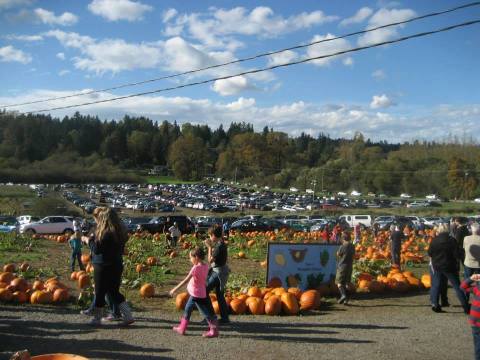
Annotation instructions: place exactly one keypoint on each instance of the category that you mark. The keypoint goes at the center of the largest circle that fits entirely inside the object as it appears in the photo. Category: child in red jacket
(472, 286)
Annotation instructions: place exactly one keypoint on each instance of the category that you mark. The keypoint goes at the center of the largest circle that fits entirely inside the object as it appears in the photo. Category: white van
(352, 220)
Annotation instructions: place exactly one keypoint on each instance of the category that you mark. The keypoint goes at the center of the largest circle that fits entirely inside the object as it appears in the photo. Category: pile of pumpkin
(264, 301)
(395, 280)
(18, 290)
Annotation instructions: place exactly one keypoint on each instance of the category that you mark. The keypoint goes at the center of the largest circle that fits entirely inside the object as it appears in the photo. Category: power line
(417, 35)
(247, 58)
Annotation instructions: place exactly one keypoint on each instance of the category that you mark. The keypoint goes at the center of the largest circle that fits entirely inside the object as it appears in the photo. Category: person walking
(199, 297)
(75, 243)
(444, 254)
(471, 246)
(345, 256)
(174, 235)
(107, 246)
(357, 232)
(218, 275)
(471, 285)
(396, 238)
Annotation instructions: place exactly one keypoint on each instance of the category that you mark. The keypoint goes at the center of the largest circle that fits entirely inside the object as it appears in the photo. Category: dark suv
(162, 223)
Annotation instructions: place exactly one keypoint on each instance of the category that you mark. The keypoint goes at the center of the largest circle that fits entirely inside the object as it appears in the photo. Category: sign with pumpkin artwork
(305, 266)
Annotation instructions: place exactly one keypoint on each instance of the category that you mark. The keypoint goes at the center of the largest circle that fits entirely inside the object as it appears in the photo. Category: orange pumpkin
(254, 291)
(296, 292)
(3, 285)
(263, 264)
(74, 276)
(181, 300)
(9, 268)
(24, 266)
(238, 306)
(426, 281)
(273, 305)
(216, 307)
(147, 290)
(5, 295)
(89, 268)
(83, 281)
(60, 295)
(20, 284)
(85, 258)
(241, 255)
(19, 297)
(6, 277)
(151, 260)
(310, 300)
(289, 304)
(256, 306)
(140, 268)
(44, 297)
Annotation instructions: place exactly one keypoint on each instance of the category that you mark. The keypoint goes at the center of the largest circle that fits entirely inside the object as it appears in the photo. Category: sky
(420, 89)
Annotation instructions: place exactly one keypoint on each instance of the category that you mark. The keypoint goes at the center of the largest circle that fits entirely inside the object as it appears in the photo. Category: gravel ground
(388, 328)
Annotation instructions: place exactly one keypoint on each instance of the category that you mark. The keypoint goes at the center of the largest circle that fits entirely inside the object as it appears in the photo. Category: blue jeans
(204, 305)
(476, 341)
(443, 288)
(213, 282)
(78, 257)
(454, 280)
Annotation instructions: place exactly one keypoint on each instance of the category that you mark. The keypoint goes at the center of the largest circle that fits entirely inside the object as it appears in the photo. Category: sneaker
(87, 312)
(342, 300)
(436, 309)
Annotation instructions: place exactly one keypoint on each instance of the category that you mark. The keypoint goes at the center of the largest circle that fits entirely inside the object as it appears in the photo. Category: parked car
(49, 225)
(352, 220)
(158, 224)
(261, 224)
(8, 224)
(27, 219)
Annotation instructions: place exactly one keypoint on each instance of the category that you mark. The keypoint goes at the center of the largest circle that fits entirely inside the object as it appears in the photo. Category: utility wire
(417, 35)
(477, 3)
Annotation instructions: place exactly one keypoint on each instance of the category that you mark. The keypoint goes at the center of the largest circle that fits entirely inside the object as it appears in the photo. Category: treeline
(82, 148)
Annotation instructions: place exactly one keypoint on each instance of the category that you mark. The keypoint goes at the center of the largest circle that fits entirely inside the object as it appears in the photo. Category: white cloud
(360, 16)
(231, 86)
(326, 48)
(337, 120)
(282, 58)
(348, 61)
(214, 29)
(379, 75)
(10, 54)
(63, 72)
(383, 17)
(381, 102)
(169, 14)
(61, 56)
(27, 38)
(8, 4)
(48, 17)
(115, 10)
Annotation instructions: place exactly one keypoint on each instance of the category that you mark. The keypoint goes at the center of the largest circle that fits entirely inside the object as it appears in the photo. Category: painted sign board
(305, 266)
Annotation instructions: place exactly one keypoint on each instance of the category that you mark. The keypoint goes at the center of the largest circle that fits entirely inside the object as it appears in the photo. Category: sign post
(305, 266)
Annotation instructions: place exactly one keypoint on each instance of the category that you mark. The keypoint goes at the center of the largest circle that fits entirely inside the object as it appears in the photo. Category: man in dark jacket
(444, 254)
(396, 236)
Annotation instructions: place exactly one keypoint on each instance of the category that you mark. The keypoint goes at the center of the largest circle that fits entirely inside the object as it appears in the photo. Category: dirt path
(389, 328)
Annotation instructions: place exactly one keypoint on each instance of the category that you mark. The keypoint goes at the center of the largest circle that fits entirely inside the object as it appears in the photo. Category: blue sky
(420, 89)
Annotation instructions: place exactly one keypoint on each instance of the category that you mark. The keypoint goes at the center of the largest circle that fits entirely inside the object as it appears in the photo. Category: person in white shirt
(174, 234)
(471, 245)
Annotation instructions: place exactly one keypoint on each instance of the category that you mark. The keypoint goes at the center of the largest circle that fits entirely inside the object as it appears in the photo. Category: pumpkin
(256, 306)
(268, 295)
(60, 295)
(74, 276)
(173, 254)
(279, 291)
(20, 284)
(365, 276)
(273, 305)
(181, 300)
(238, 306)
(140, 268)
(19, 297)
(44, 297)
(254, 291)
(413, 281)
(289, 304)
(83, 281)
(310, 300)
(89, 268)
(9, 268)
(216, 307)
(24, 266)
(241, 255)
(3, 285)
(263, 264)
(363, 285)
(147, 290)
(274, 282)
(85, 258)
(151, 260)
(296, 292)
(6, 277)
(426, 281)
(5, 295)
(250, 243)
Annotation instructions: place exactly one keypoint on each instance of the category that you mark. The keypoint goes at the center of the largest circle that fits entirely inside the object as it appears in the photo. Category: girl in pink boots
(197, 289)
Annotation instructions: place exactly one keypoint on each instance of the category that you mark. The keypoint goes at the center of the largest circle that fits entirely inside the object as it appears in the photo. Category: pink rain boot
(182, 327)
(213, 329)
